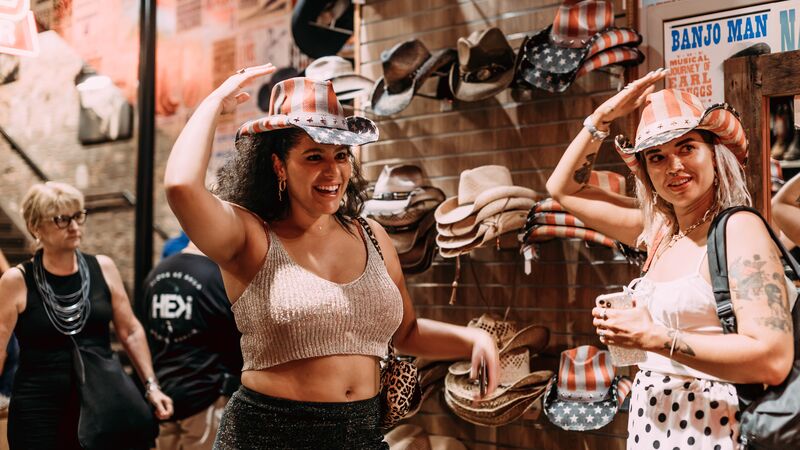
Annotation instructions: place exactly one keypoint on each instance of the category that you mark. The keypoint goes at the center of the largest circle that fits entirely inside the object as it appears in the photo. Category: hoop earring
(716, 179)
(281, 188)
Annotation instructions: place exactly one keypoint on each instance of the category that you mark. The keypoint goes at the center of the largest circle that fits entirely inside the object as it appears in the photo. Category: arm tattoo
(751, 282)
(680, 345)
(581, 176)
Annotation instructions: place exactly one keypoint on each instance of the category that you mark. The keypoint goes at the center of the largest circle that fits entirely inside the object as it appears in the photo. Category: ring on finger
(604, 315)
(601, 333)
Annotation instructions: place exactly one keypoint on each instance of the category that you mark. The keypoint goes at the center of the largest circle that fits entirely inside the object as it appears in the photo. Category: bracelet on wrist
(151, 384)
(591, 127)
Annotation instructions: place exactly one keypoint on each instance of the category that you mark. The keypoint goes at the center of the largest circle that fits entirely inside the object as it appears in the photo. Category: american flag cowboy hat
(313, 107)
(582, 38)
(669, 114)
(585, 395)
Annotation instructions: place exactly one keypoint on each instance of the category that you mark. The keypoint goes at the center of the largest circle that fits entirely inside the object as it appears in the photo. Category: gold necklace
(681, 234)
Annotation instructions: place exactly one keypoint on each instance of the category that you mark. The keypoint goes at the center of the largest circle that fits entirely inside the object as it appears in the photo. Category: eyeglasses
(64, 220)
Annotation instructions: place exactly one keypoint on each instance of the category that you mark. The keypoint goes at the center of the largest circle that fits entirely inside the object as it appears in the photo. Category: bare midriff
(336, 378)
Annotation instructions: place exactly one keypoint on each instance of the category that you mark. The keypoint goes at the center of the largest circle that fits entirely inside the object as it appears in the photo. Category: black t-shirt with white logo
(190, 330)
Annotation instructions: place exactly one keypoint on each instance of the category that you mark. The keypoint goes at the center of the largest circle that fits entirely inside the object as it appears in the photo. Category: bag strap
(718, 267)
(370, 234)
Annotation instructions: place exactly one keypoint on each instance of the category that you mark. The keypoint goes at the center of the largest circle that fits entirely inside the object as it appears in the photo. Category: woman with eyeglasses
(59, 295)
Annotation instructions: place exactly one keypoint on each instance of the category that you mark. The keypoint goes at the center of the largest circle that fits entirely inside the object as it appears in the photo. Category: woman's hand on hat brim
(484, 347)
(229, 93)
(628, 99)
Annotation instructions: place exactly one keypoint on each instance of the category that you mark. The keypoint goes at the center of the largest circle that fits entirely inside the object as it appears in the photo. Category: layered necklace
(681, 234)
(67, 312)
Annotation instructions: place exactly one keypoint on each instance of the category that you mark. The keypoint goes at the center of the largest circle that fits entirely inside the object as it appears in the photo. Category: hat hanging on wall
(321, 27)
(406, 66)
(485, 65)
(555, 56)
(585, 395)
(346, 83)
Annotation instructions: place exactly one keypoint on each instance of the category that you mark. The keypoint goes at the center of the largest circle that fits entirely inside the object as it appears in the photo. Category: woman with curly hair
(316, 304)
(687, 160)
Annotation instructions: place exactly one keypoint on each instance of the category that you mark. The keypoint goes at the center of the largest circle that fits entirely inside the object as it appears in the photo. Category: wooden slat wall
(528, 136)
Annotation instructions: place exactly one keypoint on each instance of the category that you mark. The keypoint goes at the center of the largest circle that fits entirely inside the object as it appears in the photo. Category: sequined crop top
(287, 313)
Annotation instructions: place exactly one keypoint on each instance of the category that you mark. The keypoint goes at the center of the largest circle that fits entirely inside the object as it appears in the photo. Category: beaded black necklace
(67, 312)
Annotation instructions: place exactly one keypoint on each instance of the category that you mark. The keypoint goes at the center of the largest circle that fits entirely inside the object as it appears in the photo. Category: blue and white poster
(695, 48)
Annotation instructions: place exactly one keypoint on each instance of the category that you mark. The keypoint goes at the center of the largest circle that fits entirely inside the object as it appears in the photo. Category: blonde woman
(687, 161)
(63, 293)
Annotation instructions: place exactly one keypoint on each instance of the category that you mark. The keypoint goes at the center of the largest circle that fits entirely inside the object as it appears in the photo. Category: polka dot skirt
(678, 412)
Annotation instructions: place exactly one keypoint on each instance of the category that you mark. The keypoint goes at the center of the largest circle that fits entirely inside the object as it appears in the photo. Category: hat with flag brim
(542, 233)
(585, 394)
(551, 67)
(313, 107)
(581, 416)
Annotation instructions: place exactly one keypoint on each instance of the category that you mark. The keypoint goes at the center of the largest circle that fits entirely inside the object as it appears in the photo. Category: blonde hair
(731, 191)
(43, 201)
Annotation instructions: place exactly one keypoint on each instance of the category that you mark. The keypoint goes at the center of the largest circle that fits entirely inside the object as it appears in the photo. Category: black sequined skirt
(256, 421)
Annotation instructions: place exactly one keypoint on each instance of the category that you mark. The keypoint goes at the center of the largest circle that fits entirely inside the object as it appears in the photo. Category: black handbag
(770, 418)
(113, 410)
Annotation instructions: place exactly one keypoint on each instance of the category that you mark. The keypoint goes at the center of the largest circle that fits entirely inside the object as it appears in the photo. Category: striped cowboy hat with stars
(312, 106)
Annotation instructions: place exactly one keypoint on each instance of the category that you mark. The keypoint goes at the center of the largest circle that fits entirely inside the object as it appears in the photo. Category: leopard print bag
(400, 390)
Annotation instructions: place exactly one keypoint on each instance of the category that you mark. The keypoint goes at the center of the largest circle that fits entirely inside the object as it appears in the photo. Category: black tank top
(41, 345)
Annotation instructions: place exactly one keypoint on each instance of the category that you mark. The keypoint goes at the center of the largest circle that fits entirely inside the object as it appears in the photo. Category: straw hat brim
(450, 211)
(466, 390)
(472, 221)
(512, 411)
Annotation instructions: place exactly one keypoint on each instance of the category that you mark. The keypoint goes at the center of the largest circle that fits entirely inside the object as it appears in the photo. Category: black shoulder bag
(770, 417)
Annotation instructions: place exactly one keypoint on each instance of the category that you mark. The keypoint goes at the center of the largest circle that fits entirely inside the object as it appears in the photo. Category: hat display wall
(485, 65)
(321, 27)
(669, 114)
(313, 107)
(585, 395)
(405, 67)
(555, 56)
(346, 83)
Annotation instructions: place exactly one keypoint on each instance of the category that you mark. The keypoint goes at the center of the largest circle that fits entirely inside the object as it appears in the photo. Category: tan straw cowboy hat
(477, 188)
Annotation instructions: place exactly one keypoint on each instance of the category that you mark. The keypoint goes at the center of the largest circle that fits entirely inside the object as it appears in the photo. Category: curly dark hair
(248, 179)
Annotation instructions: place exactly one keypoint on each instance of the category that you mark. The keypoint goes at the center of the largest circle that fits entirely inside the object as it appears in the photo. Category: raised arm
(216, 227)
(614, 215)
(786, 209)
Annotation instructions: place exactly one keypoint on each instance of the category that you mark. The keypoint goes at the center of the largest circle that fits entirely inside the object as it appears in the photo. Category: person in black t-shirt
(195, 345)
